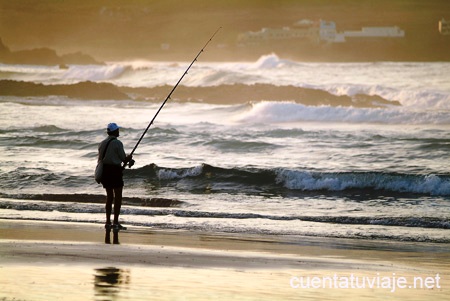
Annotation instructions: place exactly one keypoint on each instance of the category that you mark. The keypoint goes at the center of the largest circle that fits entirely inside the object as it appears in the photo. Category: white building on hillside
(444, 27)
(303, 29)
(324, 31)
(329, 33)
(376, 32)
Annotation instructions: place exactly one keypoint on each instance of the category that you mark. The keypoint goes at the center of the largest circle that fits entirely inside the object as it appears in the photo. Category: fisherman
(114, 156)
(112, 179)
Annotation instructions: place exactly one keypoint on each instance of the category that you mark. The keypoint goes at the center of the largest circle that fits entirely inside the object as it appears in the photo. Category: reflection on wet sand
(115, 237)
(108, 282)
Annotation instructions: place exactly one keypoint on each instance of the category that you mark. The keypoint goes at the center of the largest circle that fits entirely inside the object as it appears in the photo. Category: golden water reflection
(109, 282)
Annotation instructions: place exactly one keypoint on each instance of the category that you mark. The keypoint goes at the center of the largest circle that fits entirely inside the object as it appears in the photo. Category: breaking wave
(279, 112)
(241, 180)
(338, 79)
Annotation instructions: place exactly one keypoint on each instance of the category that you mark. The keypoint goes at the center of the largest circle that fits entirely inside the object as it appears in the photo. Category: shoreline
(64, 231)
(204, 265)
(56, 232)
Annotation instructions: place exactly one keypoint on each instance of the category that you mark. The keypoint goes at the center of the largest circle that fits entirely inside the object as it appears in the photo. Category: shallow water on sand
(78, 282)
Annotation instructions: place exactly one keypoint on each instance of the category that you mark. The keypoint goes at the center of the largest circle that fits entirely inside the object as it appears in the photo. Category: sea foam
(284, 112)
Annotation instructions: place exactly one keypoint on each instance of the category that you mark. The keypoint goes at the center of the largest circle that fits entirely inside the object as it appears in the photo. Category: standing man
(112, 180)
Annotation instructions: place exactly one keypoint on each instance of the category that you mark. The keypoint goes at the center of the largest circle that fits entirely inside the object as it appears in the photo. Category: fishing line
(170, 94)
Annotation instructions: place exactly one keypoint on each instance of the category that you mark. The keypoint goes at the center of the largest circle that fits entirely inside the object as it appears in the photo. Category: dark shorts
(112, 176)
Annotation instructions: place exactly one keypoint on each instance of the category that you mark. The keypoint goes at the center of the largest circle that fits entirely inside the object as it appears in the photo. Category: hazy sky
(138, 28)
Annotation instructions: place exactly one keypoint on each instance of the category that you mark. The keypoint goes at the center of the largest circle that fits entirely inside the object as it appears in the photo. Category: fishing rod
(169, 95)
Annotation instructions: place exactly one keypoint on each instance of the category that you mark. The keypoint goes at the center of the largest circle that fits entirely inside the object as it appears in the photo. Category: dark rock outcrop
(83, 90)
(239, 93)
(224, 94)
(43, 56)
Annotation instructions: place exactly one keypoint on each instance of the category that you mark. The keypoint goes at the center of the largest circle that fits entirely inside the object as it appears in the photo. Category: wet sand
(70, 261)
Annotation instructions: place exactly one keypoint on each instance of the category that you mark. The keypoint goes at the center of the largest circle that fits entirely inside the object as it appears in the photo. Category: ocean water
(265, 167)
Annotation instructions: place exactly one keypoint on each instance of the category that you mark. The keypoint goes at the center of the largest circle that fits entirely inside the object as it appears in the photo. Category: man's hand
(128, 161)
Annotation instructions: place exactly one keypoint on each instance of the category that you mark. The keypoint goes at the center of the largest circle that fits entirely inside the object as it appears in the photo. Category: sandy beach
(70, 261)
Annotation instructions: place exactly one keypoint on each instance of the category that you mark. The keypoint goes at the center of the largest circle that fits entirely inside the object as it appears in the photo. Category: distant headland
(43, 56)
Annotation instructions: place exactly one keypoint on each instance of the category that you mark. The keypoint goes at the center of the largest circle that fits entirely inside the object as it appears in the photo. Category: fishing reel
(131, 163)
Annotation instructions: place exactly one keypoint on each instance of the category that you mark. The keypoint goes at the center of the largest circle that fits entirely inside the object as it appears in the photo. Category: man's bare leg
(117, 203)
(109, 203)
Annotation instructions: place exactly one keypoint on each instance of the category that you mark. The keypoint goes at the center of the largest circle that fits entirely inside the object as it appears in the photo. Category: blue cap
(112, 127)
